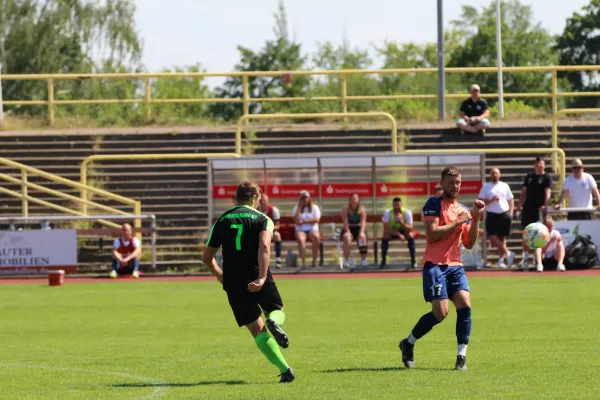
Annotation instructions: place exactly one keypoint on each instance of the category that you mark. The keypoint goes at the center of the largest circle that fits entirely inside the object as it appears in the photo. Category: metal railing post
(147, 100)
(137, 223)
(555, 166)
(343, 94)
(245, 96)
(24, 191)
(51, 101)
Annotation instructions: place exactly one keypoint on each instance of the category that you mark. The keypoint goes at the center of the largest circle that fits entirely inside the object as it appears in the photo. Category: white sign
(38, 250)
(570, 229)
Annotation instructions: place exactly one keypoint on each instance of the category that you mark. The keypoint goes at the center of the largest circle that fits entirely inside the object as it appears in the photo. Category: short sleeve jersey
(445, 251)
(536, 189)
(473, 108)
(238, 231)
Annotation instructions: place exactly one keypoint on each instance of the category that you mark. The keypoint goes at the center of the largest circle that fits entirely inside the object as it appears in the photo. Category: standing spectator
(533, 201)
(474, 113)
(307, 216)
(354, 217)
(265, 207)
(554, 250)
(126, 253)
(579, 186)
(397, 225)
(500, 205)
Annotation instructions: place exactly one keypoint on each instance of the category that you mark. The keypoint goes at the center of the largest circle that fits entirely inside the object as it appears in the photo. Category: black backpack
(581, 254)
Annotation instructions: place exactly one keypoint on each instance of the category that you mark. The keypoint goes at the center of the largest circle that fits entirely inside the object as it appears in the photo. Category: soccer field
(534, 337)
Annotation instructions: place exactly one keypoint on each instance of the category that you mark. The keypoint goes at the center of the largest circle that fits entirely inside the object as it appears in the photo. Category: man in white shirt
(579, 186)
(553, 251)
(397, 225)
(500, 205)
(126, 252)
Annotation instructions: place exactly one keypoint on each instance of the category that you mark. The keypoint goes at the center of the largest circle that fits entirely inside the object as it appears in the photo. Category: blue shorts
(442, 281)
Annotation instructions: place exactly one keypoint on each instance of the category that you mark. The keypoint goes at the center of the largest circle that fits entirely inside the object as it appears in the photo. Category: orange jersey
(444, 212)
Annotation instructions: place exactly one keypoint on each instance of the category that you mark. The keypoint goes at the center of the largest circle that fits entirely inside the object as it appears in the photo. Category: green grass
(533, 337)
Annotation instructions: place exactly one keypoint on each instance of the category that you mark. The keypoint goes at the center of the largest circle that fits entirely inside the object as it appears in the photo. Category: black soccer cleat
(461, 363)
(288, 376)
(278, 333)
(408, 357)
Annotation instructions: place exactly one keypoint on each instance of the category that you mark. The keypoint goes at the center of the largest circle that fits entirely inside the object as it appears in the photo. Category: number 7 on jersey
(238, 238)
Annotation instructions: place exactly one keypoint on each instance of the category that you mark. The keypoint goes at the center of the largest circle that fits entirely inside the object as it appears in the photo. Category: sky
(187, 32)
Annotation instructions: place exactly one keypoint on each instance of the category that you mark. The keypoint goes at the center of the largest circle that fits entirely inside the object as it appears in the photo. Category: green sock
(278, 316)
(270, 349)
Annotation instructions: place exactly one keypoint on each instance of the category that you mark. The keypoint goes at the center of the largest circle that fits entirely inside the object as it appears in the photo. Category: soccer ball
(536, 235)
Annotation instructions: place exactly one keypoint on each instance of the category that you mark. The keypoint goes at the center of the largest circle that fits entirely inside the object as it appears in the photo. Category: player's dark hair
(538, 159)
(350, 199)
(395, 199)
(450, 171)
(246, 191)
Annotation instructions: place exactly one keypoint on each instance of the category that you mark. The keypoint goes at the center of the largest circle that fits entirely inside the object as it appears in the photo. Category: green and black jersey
(237, 231)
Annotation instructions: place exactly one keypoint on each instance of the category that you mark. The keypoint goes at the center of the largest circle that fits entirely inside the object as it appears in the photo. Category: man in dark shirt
(245, 235)
(533, 202)
(474, 113)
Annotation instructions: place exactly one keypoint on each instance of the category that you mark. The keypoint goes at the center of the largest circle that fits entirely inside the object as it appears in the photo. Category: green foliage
(57, 36)
(579, 44)
(524, 43)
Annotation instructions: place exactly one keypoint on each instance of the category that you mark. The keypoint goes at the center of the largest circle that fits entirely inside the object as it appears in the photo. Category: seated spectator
(272, 212)
(354, 217)
(307, 216)
(397, 225)
(554, 250)
(126, 252)
(474, 113)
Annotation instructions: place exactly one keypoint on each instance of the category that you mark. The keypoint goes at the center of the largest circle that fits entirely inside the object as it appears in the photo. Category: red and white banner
(332, 190)
(402, 189)
(38, 251)
(346, 189)
(224, 191)
(291, 190)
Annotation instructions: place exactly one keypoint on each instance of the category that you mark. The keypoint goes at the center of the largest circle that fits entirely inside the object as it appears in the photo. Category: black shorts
(246, 306)
(549, 262)
(498, 224)
(354, 231)
(576, 216)
(529, 216)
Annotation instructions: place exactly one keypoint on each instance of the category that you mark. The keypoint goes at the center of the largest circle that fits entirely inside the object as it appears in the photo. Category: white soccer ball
(536, 235)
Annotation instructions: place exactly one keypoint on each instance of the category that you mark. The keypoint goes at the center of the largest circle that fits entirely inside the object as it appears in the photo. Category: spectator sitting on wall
(553, 252)
(579, 186)
(265, 207)
(474, 113)
(126, 253)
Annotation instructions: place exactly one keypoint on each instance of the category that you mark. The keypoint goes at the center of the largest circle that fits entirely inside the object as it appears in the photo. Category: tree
(61, 36)
(579, 44)
(278, 54)
(524, 43)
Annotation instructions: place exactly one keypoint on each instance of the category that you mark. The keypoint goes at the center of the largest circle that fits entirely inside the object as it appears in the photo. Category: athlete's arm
(363, 219)
(135, 254)
(264, 255)
(547, 197)
(470, 235)
(208, 258)
(435, 233)
(522, 197)
(345, 219)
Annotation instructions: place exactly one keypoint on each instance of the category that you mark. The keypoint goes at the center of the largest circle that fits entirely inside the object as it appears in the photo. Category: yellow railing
(26, 198)
(377, 114)
(558, 167)
(343, 98)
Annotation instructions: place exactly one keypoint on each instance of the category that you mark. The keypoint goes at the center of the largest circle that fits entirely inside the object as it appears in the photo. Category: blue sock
(463, 325)
(278, 249)
(412, 249)
(425, 324)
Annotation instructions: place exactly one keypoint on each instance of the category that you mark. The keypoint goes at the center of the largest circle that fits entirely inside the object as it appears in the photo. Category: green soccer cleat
(278, 333)
(287, 376)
